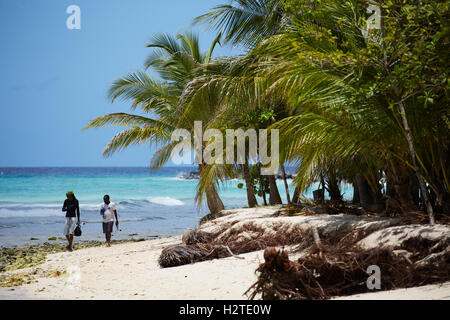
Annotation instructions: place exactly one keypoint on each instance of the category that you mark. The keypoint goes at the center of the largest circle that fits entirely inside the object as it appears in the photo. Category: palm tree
(246, 22)
(177, 61)
(343, 112)
(339, 122)
(233, 87)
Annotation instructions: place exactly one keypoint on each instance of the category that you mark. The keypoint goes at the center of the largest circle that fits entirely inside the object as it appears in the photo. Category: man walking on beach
(72, 209)
(108, 211)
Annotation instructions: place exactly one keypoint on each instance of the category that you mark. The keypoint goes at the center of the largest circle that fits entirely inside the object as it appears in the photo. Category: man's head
(70, 195)
(106, 199)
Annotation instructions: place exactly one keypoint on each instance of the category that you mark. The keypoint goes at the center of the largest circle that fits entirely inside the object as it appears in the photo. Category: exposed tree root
(329, 270)
(200, 246)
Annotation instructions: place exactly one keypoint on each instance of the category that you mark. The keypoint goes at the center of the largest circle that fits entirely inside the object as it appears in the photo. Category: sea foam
(165, 201)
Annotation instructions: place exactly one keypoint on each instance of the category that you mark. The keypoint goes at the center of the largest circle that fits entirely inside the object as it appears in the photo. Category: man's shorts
(71, 222)
(108, 227)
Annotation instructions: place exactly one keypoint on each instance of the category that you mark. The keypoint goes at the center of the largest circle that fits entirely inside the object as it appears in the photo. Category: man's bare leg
(108, 239)
(69, 238)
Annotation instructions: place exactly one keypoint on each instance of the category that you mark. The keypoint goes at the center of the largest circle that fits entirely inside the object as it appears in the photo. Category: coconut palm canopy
(355, 102)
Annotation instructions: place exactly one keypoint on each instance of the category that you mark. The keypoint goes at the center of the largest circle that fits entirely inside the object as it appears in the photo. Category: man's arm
(117, 219)
(64, 208)
(78, 211)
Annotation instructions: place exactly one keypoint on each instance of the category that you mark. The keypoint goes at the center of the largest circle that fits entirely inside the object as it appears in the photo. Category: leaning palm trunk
(213, 200)
(215, 204)
(274, 196)
(286, 186)
(252, 202)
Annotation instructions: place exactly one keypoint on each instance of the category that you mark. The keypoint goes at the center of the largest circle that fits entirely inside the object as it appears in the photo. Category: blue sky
(54, 80)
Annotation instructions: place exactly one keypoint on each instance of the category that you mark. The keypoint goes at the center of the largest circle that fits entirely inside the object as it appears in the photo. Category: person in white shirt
(108, 211)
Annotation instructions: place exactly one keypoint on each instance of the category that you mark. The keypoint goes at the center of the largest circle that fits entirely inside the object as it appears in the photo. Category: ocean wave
(16, 210)
(41, 207)
(90, 206)
(7, 213)
(165, 201)
(30, 206)
(131, 203)
(177, 178)
(121, 219)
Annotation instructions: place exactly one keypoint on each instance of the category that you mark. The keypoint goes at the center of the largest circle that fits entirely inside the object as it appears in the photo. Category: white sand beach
(131, 270)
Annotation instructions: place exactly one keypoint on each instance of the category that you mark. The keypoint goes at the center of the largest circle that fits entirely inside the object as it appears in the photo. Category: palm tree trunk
(366, 195)
(390, 189)
(355, 199)
(213, 200)
(215, 204)
(333, 187)
(262, 188)
(402, 187)
(322, 184)
(286, 186)
(274, 196)
(251, 199)
(296, 195)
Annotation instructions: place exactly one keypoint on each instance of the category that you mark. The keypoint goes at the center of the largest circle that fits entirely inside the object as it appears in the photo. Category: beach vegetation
(358, 94)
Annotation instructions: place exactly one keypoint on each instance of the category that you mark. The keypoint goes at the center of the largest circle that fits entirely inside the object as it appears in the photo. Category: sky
(53, 80)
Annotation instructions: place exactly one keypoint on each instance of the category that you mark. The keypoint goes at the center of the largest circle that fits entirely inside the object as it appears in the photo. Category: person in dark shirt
(72, 209)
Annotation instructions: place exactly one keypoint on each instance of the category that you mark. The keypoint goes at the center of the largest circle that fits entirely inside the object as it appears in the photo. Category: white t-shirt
(108, 214)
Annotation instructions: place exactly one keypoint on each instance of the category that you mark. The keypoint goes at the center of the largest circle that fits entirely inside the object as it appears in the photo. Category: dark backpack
(77, 231)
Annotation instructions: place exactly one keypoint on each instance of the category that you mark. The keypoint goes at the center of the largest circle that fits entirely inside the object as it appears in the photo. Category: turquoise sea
(149, 204)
